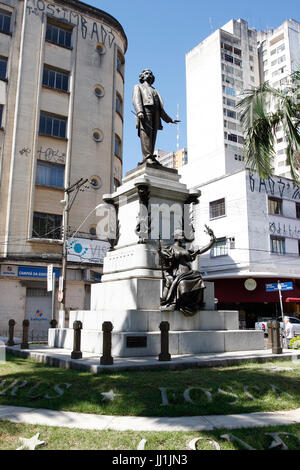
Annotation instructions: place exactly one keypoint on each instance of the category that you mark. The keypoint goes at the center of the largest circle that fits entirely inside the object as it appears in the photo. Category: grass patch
(75, 439)
(220, 390)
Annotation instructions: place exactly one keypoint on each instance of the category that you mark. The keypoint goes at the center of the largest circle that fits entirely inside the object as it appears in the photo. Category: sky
(160, 33)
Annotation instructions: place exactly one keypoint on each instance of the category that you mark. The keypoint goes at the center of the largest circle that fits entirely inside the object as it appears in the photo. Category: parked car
(262, 324)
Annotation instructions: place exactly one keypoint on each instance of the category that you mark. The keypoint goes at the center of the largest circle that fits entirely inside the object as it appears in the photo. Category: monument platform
(148, 208)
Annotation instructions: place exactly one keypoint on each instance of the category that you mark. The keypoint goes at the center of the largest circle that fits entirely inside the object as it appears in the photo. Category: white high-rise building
(217, 71)
(279, 56)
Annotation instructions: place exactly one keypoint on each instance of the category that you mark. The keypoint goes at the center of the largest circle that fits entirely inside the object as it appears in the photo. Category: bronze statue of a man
(149, 108)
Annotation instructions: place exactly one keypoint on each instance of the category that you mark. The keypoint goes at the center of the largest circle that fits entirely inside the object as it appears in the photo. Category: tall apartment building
(61, 104)
(172, 159)
(256, 222)
(217, 71)
(279, 56)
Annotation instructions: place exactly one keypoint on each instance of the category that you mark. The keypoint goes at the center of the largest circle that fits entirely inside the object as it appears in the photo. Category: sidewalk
(132, 423)
(62, 358)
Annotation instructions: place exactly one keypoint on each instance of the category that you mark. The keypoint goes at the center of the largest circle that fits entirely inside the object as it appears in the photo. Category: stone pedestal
(151, 203)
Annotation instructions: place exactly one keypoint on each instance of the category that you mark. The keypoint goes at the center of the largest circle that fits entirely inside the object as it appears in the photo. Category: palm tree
(262, 111)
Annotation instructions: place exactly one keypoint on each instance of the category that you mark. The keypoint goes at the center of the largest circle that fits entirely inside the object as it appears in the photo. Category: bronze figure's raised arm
(149, 108)
(183, 287)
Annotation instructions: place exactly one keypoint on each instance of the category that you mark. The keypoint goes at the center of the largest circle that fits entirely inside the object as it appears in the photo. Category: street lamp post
(67, 203)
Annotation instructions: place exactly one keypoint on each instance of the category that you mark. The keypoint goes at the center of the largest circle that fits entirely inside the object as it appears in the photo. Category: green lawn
(56, 438)
(152, 393)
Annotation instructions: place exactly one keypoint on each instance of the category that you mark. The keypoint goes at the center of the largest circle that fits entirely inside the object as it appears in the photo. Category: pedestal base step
(134, 344)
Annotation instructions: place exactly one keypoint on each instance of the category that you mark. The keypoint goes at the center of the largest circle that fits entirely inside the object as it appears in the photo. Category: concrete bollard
(25, 344)
(53, 323)
(107, 359)
(11, 326)
(276, 343)
(76, 353)
(164, 338)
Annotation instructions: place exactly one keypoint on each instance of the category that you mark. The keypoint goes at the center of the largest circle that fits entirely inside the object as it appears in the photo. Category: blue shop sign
(36, 272)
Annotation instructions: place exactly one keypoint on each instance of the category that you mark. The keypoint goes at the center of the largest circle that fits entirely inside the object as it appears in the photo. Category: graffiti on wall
(284, 230)
(274, 186)
(86, 28)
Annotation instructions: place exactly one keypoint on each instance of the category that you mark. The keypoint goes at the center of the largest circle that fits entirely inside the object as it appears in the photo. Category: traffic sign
(50, 277)
(279, 286)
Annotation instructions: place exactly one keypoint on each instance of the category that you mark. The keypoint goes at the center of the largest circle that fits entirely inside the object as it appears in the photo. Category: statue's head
(146, 76)
(179, 235)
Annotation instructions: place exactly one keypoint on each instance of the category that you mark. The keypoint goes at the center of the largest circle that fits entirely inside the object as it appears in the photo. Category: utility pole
(67, 203)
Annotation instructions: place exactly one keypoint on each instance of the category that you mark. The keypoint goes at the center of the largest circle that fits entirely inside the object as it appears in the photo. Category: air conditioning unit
(231, 242)
(87, 275)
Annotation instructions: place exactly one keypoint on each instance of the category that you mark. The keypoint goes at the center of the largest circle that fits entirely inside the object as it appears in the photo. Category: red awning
(292, 299)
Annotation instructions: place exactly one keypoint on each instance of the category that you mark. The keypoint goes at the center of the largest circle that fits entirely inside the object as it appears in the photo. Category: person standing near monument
(289, 331)
(149, 108)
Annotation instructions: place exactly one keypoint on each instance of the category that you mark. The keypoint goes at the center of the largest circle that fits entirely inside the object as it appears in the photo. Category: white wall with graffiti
(257, 227)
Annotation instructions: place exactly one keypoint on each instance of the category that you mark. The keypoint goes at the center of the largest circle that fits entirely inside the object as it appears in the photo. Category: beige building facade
(61, 109)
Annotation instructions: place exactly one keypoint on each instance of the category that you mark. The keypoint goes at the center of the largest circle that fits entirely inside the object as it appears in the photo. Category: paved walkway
(131, 423)
(62, 358)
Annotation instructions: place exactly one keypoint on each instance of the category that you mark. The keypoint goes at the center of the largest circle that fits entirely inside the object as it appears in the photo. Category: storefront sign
(36, 272)
(9, 271)
(84, 250)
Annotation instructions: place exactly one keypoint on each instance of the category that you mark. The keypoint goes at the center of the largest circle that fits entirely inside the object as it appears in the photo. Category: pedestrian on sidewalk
(289, 331)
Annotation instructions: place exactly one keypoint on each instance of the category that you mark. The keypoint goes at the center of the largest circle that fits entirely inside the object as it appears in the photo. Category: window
(116, 184)
(120, 64)
(231, 114)
(46, 226)
(278, 245)
(1, 115)
(50, 174)
(58, 35)
(117, 146)
(299, 247)
(52, 125)
(275, 206)
(3, 68)
(230, 91)
(5, 22)
(228, 58)
(220, 248)
(232, 137)
(119, 104)
(55, 79)
(217, 208)
(297, 210)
